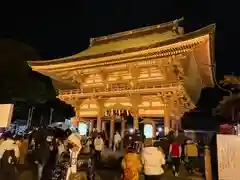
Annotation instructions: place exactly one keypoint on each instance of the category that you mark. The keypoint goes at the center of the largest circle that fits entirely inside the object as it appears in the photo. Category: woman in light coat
(152, 159)
(74, 141)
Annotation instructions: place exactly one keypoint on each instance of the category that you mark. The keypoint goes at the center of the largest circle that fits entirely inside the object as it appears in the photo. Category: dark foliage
(201, 118)
(18, 81)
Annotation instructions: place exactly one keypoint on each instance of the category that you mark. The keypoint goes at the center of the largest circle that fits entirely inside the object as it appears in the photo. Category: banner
(228, 148)
(6, 111)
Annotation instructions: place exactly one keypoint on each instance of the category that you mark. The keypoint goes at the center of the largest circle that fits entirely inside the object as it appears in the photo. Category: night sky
(63, 29)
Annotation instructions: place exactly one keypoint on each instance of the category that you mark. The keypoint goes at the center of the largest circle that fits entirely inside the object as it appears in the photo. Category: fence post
(207, 161)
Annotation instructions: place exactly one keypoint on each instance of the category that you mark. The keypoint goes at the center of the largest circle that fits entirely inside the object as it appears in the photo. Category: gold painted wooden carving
(111, 70)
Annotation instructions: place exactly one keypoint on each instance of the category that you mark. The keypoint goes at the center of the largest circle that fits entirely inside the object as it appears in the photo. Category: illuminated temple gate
(155, 71)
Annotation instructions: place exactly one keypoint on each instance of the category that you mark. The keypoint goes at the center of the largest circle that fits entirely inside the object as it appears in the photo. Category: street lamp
(30, 114)
(51, 116)
(131, 130)
(160, 129)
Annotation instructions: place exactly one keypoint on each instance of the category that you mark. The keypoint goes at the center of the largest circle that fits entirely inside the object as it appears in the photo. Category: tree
(231, 83)
(229, 107)
(18, 81)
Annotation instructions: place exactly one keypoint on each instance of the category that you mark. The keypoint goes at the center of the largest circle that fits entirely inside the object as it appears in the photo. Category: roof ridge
(210, 29)
(134, 31)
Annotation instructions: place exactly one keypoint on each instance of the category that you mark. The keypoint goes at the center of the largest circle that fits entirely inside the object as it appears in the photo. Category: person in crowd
(153, 160)
(117, 139)
(9, 155)
(98, 146)
(61, 148)
(91, 167)
(131, 164)
(22, 143)
(42, 153)
(74, 146)
(128, 139)
(106, 138)
(191, 155)
(94, 133)
(68, 132)
(29, 169)
(175, 152)
(103, 135)
(9, 144)
(138, 140)
(50, 162)
(88, 144)
(31, 144)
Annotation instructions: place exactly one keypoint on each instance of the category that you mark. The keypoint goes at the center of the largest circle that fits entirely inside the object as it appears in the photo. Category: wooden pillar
(91, 124)
(112, 130)
(154, 129)
(180, 123)
(136, 119)
(176, 126)
(166, 120)
(123, 128)
(173, 124)
(135, 101)
(208, 168)
(103, 125)
(99, 123)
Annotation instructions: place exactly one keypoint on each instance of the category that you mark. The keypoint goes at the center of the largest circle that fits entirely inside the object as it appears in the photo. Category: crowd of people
(153, 160)
(49, 153)
(35, 155)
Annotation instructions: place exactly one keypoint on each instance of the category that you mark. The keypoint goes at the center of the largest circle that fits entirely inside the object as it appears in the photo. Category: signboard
(6, 111)
(82, 129)
(148, 131)
(228, 148)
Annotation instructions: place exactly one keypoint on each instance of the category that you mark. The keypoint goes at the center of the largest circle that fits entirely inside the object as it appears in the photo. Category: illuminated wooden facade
(154, 71)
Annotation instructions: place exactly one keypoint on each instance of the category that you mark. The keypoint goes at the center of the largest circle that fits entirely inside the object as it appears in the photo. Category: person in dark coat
(29, 171)
(128, 139)
(8, 166)
(45, 155)
(50, 162)
(41, 155)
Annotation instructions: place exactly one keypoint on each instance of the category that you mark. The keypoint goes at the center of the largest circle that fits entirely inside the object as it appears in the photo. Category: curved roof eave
(203, 31)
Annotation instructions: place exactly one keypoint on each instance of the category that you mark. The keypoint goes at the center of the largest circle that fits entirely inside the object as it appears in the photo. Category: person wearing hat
(152, 159)
(74, 146)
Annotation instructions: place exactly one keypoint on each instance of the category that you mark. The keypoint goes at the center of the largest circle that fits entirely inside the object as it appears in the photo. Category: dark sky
(62, 29)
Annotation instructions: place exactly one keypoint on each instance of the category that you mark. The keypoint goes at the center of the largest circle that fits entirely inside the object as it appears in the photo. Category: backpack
(175, 150)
